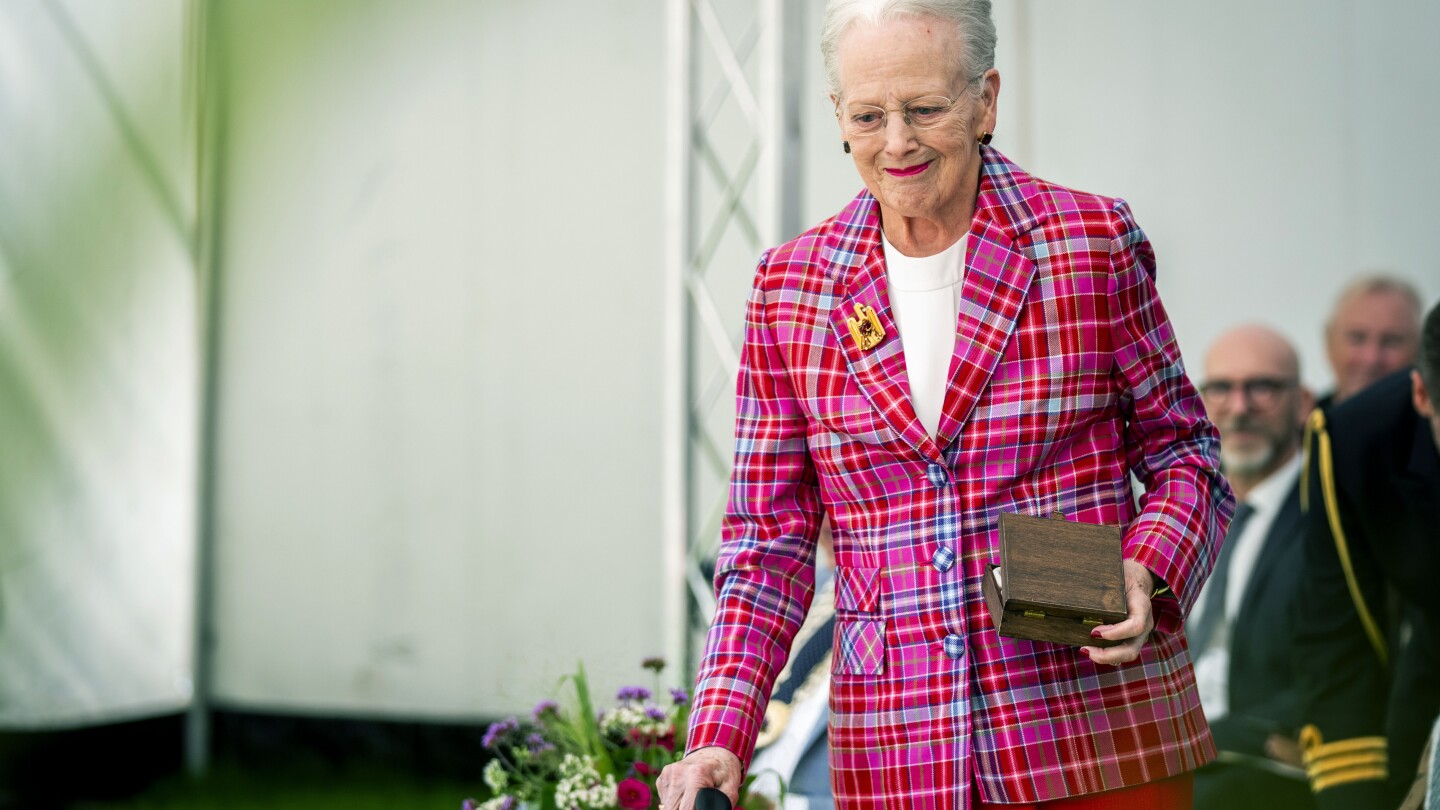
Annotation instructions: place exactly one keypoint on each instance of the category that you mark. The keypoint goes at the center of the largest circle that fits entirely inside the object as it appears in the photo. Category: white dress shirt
(1212, 664)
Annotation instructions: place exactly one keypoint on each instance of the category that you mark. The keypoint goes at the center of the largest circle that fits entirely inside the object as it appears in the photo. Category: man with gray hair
(1240, 629)
(1373, 331)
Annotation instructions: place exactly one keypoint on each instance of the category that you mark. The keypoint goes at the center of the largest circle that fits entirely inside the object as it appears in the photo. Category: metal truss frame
(715, 198)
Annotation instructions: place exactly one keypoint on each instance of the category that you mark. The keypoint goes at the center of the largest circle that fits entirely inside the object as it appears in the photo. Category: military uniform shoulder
(1369, 427)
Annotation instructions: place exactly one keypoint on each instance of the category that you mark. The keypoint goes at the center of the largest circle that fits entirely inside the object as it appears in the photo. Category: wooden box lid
(1056, 580)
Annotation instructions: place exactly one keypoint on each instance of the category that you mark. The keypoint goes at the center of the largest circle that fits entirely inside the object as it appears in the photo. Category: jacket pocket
(857, 590)
(859, 647)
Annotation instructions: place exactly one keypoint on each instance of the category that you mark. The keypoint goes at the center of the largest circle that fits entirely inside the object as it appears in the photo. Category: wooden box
(1056, 580)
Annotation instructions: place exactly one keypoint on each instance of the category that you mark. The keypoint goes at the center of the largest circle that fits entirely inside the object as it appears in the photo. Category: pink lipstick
(909, 172)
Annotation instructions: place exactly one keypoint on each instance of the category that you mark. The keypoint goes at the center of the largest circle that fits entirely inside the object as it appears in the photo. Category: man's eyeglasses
(1262, 392)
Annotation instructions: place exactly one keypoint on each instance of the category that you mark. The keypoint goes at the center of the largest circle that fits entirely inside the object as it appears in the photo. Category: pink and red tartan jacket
(1066, 378)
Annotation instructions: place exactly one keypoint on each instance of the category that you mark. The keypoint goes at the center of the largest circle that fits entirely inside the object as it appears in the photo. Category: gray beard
(1251, 465)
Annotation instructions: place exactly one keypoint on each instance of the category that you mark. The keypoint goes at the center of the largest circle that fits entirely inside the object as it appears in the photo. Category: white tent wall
(98, 365)
(438, 445)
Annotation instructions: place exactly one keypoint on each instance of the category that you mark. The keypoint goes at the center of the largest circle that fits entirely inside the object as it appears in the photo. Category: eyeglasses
(1262, 392)
(927, 112)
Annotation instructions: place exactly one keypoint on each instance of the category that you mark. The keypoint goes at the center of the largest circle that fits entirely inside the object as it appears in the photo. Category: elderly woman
(962, 340)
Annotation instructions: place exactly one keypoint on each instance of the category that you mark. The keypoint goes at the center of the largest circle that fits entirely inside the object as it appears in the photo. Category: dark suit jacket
(1263, 696)
(1384, 475)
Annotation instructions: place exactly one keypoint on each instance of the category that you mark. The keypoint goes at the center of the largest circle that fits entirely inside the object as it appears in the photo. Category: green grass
(311, 786)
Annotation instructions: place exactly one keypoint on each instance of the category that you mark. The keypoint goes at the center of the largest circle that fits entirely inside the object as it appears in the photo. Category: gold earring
(847, 147)
(984, 139)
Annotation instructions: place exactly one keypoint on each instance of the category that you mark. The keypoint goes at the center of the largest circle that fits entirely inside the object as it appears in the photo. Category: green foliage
(588, 731)
(594, 760)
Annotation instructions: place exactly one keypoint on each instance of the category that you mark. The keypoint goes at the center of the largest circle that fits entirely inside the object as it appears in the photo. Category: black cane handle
(711, 799)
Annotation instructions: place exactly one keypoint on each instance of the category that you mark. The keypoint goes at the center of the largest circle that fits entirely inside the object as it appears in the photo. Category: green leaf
(591, 741)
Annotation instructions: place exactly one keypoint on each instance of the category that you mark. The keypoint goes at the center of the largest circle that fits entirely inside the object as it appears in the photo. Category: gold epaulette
(1358, 759)
(1315, 428)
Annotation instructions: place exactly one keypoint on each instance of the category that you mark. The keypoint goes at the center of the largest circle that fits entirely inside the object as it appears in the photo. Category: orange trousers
(1175, 793)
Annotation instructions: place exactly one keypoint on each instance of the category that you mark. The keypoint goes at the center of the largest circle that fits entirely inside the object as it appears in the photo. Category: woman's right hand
(704, 767)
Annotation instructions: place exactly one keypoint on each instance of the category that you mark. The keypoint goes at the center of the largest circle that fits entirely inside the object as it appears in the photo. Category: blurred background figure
(1368, 609)
(1374, 330)
(1241, 626)
(794, 742)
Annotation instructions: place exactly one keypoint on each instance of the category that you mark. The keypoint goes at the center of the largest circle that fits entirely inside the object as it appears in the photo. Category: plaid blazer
(1065, 379)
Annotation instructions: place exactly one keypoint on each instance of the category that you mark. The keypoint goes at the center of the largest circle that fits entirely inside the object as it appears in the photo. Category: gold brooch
(865, 328)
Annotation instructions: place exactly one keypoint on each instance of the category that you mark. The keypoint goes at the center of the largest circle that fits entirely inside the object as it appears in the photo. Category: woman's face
(930, 173)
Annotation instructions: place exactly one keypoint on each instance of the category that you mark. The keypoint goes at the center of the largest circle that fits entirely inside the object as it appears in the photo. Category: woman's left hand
(1135, 630)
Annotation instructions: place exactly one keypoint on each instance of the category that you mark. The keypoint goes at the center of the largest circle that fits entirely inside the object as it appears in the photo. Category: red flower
(643, 769)
(632, 794)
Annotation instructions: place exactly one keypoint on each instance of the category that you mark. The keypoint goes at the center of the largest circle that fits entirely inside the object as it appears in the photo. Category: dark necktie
(1214, 614)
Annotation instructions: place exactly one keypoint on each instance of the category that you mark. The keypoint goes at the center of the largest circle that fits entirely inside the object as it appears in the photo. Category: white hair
(970, 17)
(1379, 284)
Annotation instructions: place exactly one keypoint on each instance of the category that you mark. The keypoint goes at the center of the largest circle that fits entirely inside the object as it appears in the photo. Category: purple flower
(680, 696)
(635, 693)
(498, 730)
(470, 804)
(545, 708)
(655, 713)
(538, 744)
(507, 803)
(654, 662)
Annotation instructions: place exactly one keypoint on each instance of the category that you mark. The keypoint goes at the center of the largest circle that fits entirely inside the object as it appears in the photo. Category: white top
(1212, 665)
(925, 296)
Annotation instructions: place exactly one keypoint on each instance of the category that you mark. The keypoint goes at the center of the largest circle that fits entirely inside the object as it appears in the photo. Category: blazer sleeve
(1171, 445)
(765, 576)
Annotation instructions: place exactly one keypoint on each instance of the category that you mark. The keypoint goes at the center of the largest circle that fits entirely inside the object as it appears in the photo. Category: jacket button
(937, 475)
(943, 559)
(955, 646)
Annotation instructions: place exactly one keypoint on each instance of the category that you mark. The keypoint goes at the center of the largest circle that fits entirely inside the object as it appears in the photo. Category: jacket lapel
(1286, 529)
(997, 280)
(857, 262)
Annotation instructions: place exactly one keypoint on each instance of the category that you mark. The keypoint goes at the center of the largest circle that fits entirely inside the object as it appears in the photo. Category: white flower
(621, 719)
(495, 776)
(581, 787)
(498, 803)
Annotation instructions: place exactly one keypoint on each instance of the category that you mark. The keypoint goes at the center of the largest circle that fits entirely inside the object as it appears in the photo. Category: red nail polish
(1085, 650)
(1094, 634)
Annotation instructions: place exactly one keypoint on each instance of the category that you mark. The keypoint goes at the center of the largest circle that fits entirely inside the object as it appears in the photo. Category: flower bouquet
(587, 760)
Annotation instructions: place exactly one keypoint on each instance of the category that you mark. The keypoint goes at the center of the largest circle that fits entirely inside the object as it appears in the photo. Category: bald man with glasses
(1240, 628)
